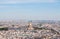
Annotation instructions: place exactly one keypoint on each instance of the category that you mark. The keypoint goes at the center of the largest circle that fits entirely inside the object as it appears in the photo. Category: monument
(30, 25)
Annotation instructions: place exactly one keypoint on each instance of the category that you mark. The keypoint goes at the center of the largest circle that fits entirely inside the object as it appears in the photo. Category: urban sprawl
(38, 29)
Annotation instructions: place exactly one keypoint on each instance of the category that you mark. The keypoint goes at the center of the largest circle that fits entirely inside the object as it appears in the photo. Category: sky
(30, 9)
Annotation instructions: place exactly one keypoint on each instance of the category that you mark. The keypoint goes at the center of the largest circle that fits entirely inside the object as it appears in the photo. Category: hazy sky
(30, 9)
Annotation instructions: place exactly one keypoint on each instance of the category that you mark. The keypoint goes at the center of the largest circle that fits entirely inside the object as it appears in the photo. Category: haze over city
(29, 19)
(30, 9)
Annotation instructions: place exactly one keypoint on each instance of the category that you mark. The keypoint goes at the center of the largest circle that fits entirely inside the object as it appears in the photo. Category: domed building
(30, 26)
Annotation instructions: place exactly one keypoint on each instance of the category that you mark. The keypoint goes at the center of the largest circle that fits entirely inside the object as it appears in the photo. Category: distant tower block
(30, 26)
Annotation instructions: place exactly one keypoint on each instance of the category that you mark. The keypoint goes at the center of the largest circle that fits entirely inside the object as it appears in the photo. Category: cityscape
(30, 29)
(29, 19)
